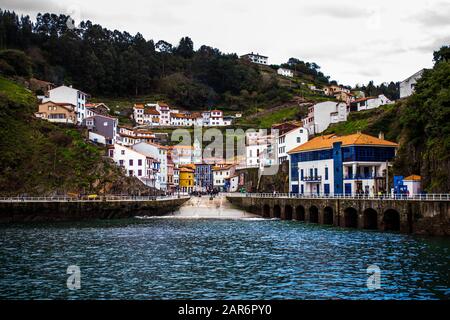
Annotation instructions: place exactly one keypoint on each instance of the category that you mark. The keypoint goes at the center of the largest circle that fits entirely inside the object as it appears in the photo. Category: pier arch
(300, 213)
(266, 211)
(328, 215)
(313, 214)
(370, 219)
(288, 211)
(391, 220)
(277, 211)
(351, 218)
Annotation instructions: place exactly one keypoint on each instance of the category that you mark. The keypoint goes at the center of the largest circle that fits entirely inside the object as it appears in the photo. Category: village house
(232, 183)
(256, 58)
(69, 95)
(136, 164)
(57, 112)
(203, 177)
(408, 85)
(369, 103)
(260, 149)
(285, 72)
(344, 96)
(181, 155)
(290, 140)
(160, 153)
(413, 184)
(334, 89)
(331, 164)
(128, 136)
(187, 178)
(93, 109)
(321, 115)
(220, 174)
(164, 111)
(102, 129)
(216, 118)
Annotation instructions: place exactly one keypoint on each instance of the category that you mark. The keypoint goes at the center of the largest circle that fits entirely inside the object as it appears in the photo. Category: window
(140, 162)
(139, 173)
(130, 172)
(326, 173)
(122, 152)
(121, 162)
(299, 140)
(105, 124)
(131, 162)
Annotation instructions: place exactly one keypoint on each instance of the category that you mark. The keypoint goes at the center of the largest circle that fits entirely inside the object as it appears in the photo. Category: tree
(442, 54)
(15, 62)
(185, 48)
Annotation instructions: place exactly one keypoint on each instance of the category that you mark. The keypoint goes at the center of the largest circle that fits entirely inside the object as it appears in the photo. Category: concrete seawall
(416, 217)
(84, 210)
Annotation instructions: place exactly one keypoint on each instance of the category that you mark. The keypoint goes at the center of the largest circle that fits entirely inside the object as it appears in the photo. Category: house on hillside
(285, 72)
(321, 115)
(102, 129)
(407, 86)
(256, 58)
(57, 112)
(96, 109)
(290, 140)
(369, 103)
(160, 153)
(69, 95)
(136, 164)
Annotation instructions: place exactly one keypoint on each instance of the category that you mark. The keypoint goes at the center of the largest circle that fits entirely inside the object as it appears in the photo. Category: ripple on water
(250, 258)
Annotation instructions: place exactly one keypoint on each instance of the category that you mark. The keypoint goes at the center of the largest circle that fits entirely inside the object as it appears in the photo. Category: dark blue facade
(338, 169)
(204, 176)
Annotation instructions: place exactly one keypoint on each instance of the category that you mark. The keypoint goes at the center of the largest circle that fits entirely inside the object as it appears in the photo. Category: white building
(407, 86)
(148, 115)
(256, 58)
(159, 153)
(182, 155)
(321, 115)
(128, 137)
(64, 94)
(221, 174)
(369, 103)
(260, 149)
(216, 118)
(233, 183)
(289, 141)
(136, 164)
(413, 184)
(352, 164)
(285, 72)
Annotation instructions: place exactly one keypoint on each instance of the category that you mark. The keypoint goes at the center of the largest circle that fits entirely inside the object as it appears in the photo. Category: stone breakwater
(84, 210)
(406, 216)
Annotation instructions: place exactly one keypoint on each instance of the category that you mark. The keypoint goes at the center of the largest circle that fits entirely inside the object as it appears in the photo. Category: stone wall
(72, 211)
(427, 217)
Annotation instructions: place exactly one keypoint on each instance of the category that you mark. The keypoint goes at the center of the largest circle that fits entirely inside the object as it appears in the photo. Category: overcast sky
(353, 41)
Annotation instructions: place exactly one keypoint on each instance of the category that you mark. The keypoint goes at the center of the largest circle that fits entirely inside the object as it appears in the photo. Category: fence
(414, 197)
(110, 198)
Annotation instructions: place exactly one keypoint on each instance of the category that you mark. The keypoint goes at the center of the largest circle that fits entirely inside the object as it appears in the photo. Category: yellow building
(187, 178)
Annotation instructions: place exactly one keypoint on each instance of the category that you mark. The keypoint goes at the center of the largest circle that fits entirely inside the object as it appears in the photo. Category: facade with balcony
(353, 164)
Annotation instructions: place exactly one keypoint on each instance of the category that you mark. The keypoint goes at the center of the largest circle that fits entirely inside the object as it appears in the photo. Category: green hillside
(41, 158)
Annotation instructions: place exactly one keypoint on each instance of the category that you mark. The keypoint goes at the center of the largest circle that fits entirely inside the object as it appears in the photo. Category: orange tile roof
(326, 142)
(139, 106)
(413, 177)
(151, 111)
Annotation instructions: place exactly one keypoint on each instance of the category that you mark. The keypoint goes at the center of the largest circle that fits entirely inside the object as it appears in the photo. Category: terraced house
(330, 164)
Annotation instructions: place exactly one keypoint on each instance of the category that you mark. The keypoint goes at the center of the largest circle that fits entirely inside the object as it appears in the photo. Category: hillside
(41, 158)
(420, 124)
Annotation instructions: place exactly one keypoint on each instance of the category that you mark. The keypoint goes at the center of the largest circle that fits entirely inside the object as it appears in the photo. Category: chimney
(381, 136)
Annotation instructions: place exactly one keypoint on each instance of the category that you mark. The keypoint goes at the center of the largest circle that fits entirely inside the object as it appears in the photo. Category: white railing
(415, 197)
(108, 198)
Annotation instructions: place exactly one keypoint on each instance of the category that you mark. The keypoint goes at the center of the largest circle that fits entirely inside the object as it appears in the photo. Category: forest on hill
(110, 63)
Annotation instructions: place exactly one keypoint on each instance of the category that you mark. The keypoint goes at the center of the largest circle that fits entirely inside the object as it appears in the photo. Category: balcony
(360, 176)
(312, 179)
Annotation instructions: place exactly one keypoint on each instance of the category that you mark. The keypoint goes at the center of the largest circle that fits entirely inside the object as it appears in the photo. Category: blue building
(203, 177)
(331, 164)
